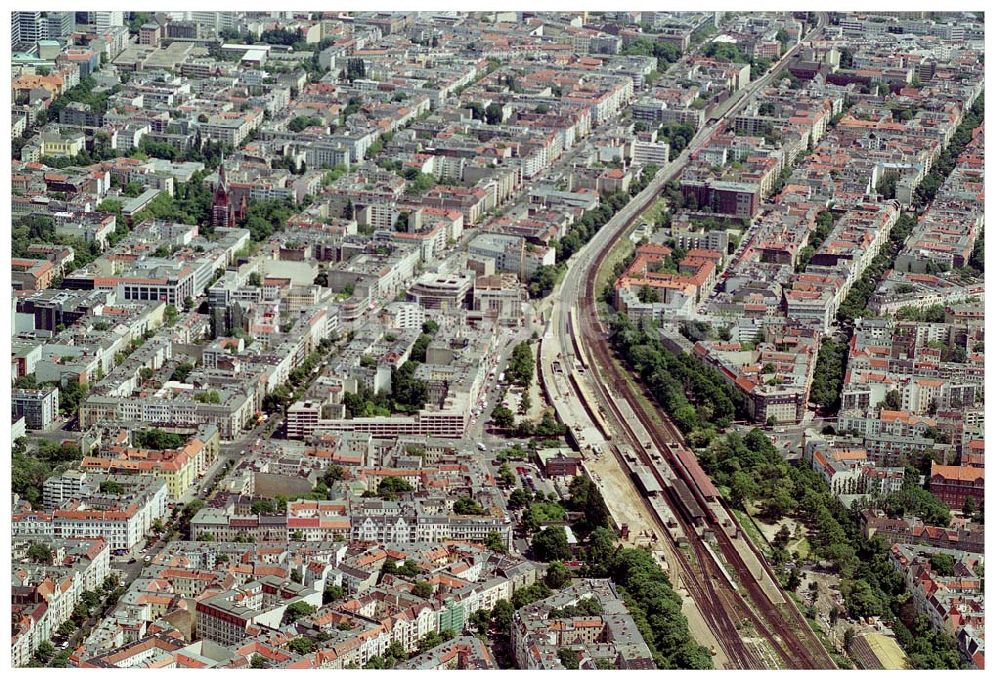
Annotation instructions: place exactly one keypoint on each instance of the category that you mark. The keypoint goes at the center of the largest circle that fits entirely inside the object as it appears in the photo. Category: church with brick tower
(224, 213)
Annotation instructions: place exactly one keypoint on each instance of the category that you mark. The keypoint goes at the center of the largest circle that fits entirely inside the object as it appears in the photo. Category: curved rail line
(694, 504)
(797, 650)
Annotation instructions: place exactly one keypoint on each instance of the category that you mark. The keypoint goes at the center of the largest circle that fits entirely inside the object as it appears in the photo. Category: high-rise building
(104, 21)
(215, 21)
(59, 24)
(30, 26)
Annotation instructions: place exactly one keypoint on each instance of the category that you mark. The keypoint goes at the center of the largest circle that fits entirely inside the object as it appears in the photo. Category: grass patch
(545, 512)
(800, 546)
(751, 529)
(653, 212)
(622, 247)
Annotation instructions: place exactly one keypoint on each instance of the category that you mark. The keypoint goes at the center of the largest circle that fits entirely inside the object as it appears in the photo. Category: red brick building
(952, 484)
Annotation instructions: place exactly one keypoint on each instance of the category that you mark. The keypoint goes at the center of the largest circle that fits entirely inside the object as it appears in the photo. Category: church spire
(222, 169)
(223, 213)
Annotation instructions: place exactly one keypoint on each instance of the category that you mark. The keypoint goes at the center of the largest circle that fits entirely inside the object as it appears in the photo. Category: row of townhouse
(43, 596)
(123, 518)
(365, 520)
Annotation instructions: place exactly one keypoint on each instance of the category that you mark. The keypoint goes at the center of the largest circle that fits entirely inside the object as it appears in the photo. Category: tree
(544, 279)
(408, 394)
(157, 439)
(569, 658)
(647, 295)
(468, 507)
(585, 497)
(91, 598)
(391, 486)
(423, 589)
(262, 506)
(942, 564)
(299, 123)
(334, 473)
(525, 404)
(886, 185)
(481, 621)
(112, 487)
(66, 628)
(828, 377)
(893, 400)
(301, 645)
(40, 553)
(503, 617)
(551, 544)
(296, 610)
(332, 593)
(969, 507)
(259, 662)
(494, 114)
(210, 397)
(44, 652)
(80, 611)
(505, 475)
(495, 542)
(782, 537)
(741, 488)
(558, 575)
(861, 600)
(502, 417)
(170, 314)
(913, 500)
(521, 368)
(429, 641)
(778, 504)
(395, 653)
(70, 396)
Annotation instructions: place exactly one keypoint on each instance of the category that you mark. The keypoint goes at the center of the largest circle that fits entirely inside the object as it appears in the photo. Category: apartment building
(38, 407)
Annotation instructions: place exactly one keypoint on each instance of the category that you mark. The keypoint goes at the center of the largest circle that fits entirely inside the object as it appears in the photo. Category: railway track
(694, 503)
(703, 588)
(705, 580)
(806, 644)
(800, 650)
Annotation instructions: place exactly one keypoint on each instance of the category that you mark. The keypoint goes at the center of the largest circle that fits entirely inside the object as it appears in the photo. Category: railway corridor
(626, 505)
(757, 624)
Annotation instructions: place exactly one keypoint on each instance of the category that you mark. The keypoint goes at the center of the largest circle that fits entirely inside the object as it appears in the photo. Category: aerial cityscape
(498, 340)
